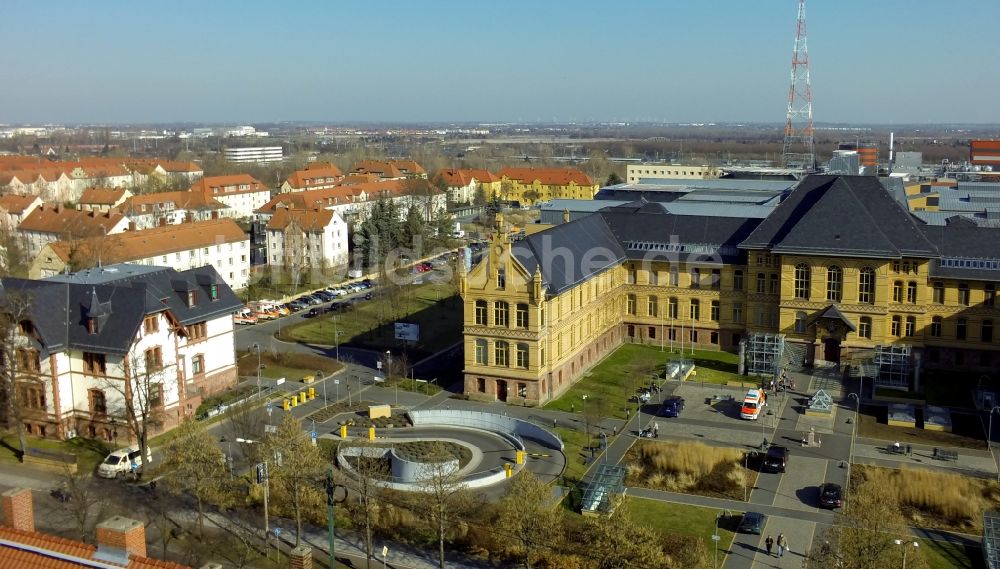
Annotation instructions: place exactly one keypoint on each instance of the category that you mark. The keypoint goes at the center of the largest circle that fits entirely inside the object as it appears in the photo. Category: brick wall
(18, 511)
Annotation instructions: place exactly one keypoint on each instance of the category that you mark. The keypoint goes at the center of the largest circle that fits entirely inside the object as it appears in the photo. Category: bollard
(312, 393)
(343, 431)
(285, 405)
(519, 457)
(371, 433)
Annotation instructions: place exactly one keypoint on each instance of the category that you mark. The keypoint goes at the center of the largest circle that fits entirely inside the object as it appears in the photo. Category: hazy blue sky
(886, 61)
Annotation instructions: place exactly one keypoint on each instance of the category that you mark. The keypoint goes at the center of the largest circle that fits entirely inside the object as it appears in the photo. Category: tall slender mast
(799, 148)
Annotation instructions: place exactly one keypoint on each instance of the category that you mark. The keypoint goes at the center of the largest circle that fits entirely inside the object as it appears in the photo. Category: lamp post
(854, 436)
(905, 545)
(715, 538)
(989, 438)
(586, 419)
(336, 337)
(604, 436)
(256, 348)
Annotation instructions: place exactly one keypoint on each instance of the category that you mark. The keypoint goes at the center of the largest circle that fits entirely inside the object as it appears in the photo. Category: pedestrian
(909, 450)
(769, 543)
(553, 422)
(782, 544)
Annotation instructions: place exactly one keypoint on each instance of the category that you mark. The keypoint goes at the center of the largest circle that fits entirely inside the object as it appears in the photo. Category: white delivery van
(354, 274)
(123, 462)
(245, 316)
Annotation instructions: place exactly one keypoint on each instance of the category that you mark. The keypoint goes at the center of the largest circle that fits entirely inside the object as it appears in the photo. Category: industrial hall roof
(849, 216)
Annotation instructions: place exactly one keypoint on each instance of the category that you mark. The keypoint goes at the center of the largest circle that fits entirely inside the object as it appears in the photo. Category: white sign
(336, 382)
(270, 428)
(279, 381)
(407, 331)
(385, 550)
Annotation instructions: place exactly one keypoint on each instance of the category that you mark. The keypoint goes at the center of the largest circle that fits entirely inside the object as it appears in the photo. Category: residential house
(102, 199)
(169, 208)
(353, 202)
(48, 223)
(462, 185)
(221, 243)
(51, 184)
(121, 542)
(306, 238)
(241, 192)
(316, 176)
(163, 338)
(530, 185)
(390, 169)
(15, 208)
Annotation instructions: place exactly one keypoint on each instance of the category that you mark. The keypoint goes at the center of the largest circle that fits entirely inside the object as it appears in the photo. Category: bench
(944, 454)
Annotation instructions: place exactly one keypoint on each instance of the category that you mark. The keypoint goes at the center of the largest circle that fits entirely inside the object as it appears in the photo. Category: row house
(241, 192)
(102, 199)
(306, 238)
(50, 184)
(390, 169)
(47, 223)
(15, 208)
(531, 185)
(86, 341)
(462, 185)
(316, 176)
(170, 208)
(220, 243)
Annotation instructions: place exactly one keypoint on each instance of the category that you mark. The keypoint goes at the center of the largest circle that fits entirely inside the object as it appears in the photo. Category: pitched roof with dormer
(314, 220)
(314, 177)
(388, 168)
(547, 176)
(227, 185)
(101, 196)
(68, 222)
(167, 201)
(455, 178)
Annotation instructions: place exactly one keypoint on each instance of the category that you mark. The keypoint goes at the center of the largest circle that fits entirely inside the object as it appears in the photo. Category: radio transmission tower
(799, 148)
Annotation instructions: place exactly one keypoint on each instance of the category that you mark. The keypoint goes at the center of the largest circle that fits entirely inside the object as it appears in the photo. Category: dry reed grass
(686, 467)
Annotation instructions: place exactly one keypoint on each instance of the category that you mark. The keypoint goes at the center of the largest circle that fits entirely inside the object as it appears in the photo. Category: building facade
(86, 341)
(839, 268)
(255, 154)
(634, 173)
(530, 185)
(306, 238)
(242, 193)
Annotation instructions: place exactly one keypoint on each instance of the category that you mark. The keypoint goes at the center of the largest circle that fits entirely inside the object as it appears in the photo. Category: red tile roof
(13, 557)
(388, 168)
(313, 220)
(101, 196)
(179, 199)
(315, 177)
(70, 222)
(453, 178)
(547, 176)
(209, 184)
(15, 204)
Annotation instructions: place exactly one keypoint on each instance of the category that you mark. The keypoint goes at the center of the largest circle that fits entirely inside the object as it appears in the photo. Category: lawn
(89, 452)
(946, 555)
(432, 306)
(611, 382)
(683, 519)
(284, 364)
(574, 442)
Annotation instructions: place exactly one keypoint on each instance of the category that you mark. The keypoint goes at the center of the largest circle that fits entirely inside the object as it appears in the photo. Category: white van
(122, 462)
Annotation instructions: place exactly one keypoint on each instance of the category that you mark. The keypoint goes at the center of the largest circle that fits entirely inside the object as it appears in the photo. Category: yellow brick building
(531, 185)
(839, 267)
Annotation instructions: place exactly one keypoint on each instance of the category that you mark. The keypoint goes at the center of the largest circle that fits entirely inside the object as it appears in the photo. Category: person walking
(769, 543)
(782, 544)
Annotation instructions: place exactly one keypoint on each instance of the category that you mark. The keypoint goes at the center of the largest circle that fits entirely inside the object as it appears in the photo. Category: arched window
(834, 283)
(481, 355)
(897, 291)
(522, 356)
(481, 311)
(800, 322)
(802, 277)
(866, 285)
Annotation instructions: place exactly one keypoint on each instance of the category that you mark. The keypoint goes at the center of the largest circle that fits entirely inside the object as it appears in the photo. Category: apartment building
(530, 185)
(306, 238)
(88, 340)
(390, 169)
(48, 223)
(255, 154)
(635, 173)
(220, 243)
(169, 208)
(15, 208)
(102, 199)
(241, 192)
(316, 176)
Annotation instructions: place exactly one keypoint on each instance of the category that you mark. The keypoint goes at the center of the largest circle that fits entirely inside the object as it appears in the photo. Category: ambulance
(753, 404)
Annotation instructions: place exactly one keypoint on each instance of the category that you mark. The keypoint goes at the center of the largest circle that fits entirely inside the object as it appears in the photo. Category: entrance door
(501, 390)
(831, 350)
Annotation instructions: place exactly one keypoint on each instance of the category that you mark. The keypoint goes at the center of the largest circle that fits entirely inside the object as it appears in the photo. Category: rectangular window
(98, 403)
(693, 336)
(672, 334)
(714, 338)
(938, 293)
(198, 364)
(911, 292)
(672, 308)
(989, 295)
(31, 396)
(987, 331)
(963, 294)
(716, 279)
(481, 311)
(28, 360)
(481, 384)
(865, 327)
(715, 311)
(936, 327)
(695, 278)
(522, 315)
(501, 314)
(653, 308)
(761, 283)
(775, 284)
(654, 278)
(151, 324)
(911, 326)
(695, 313)
(154, 359)
(960, 328)
(500, 354)
(522, 356)
(675, 277)
(155, 395)
(897, 291)
(630, 304)
(94, 364)
(630, 276)
(198, 331)
(501, 279)
(481, 355)
(894, 328)
(652, 332)
(738, 313)
(738, 280)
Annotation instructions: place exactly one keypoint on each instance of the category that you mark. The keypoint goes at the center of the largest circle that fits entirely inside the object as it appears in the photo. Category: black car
(313, 312)
(776, 459)
(831, 495)
(672, 406)
(752, 522)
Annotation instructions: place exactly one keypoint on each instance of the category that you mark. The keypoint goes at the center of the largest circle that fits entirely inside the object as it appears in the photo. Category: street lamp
(586, 420)
(256, 348)
(854, 435)
(716, 538)
(989, 438)
(904, 544)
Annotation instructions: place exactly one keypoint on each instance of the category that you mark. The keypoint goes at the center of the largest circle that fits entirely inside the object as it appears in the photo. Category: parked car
(776, 459)
(313, 299)
(831, 495)
(245, 316)
(324, 295)
(752, 522)
(313, 312)
(367, 283)
(672, 406)
(369, 296)
(297, 305)
(123, 461)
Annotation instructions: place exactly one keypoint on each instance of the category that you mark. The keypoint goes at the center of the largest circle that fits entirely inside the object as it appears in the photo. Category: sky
(343, 61)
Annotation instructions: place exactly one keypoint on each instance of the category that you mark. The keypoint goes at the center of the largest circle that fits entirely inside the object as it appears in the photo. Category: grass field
(683, 519)
(89, 452)
(432, 306)
(291, 366)
(610, 384)
(944, 555)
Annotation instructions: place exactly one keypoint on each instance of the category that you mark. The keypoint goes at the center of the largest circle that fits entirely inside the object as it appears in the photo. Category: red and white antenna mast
(799, 148)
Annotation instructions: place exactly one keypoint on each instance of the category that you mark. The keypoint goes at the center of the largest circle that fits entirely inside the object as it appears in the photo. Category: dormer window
(501, 279)
(213, 292)
(92, 325)
(191, 298)
(27, 328)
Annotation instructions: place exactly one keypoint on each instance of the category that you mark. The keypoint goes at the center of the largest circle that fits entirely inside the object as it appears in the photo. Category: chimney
(119, 538)
(18, 511)
(93, 213)
(565, 216)
(131, 226)
(162, 222)
(300, 558)
(215, 214)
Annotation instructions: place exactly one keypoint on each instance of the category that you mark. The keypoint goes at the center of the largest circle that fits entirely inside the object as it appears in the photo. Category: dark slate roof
(61, 305)
(833, 313)
(843, 215)
(966, 241)
(570, 253)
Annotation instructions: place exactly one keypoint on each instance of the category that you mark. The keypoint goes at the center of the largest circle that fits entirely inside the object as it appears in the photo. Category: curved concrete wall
(517, 428)
(406, 471)
(475, 480)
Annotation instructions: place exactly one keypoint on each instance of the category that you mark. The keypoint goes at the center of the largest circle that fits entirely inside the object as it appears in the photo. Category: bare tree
(246, 422)
(442, 498)
(194, 466)
(84, 502)
(139, 394)
(298, 470)
(20, 362)
(369, 472)
(526, 515)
